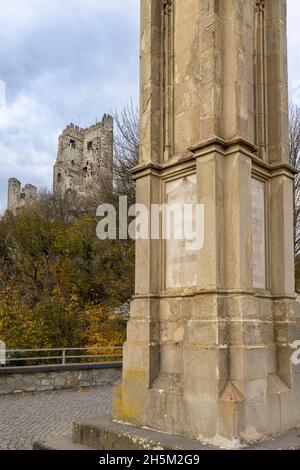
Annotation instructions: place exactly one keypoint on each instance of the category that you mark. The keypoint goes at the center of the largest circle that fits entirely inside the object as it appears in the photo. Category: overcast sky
(71, 61)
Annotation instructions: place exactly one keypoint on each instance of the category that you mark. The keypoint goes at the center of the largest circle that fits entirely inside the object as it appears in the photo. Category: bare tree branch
(126, 149)
(294, 135)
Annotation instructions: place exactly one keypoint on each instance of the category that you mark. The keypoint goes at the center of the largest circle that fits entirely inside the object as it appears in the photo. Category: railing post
(63, 356)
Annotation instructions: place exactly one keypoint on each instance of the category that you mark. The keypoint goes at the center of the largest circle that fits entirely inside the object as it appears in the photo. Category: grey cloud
(71, 60)
(62, 61)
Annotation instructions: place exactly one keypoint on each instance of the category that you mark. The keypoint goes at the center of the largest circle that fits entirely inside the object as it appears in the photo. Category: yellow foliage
(59, 283)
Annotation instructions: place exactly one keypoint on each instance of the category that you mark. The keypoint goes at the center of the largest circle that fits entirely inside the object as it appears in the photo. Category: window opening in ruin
(72, 144)
(90, 145)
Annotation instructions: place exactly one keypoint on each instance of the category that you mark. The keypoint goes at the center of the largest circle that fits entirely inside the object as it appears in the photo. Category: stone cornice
(159, 169)
(218, 145)
(241, 145)
(226, 147)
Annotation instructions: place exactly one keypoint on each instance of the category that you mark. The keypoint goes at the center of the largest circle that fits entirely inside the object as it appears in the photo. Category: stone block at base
(103, 434)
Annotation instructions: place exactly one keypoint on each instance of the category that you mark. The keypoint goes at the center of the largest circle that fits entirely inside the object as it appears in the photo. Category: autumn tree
(60, 284)
(54, 272)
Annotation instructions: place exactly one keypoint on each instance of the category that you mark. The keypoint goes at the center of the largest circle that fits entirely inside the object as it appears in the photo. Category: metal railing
(62, 355)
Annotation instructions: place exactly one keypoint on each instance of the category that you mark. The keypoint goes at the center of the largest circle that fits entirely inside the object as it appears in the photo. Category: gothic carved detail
(260, 5)
(260, 65)
(167, 6)
(168, 77)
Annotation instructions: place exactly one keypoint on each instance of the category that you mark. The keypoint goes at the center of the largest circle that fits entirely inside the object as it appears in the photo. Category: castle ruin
(19, 197)
(84, 165)
(84, 159)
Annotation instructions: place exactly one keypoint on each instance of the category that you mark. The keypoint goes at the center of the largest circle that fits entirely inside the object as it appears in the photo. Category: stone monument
(208, 354)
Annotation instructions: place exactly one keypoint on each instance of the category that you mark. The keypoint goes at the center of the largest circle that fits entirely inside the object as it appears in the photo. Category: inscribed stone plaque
(181, 263)
(258, 234)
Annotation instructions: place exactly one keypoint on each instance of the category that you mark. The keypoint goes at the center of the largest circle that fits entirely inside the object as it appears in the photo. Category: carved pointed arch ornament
(168, 15)
(260, 77)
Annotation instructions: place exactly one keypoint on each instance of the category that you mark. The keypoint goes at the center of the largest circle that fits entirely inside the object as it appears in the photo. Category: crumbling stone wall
(84, 158)
(19, 197)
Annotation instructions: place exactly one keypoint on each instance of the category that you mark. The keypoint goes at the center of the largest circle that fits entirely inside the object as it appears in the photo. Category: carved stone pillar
(208, 348)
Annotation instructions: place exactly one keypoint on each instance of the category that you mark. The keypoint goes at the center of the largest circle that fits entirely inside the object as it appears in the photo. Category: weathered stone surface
(104, 434)
(19, 197)
(84, 159)
(259, 234)
(181, 264)
(208, 352)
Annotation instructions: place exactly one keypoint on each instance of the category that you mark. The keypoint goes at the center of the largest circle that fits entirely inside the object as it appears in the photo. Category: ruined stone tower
(19, 197)
(84, 158)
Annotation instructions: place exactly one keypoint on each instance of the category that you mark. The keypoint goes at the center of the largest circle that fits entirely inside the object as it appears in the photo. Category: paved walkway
(26, 418)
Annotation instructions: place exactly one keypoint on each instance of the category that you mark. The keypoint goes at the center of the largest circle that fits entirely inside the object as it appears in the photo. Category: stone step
(58, 443)
(103, 433)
